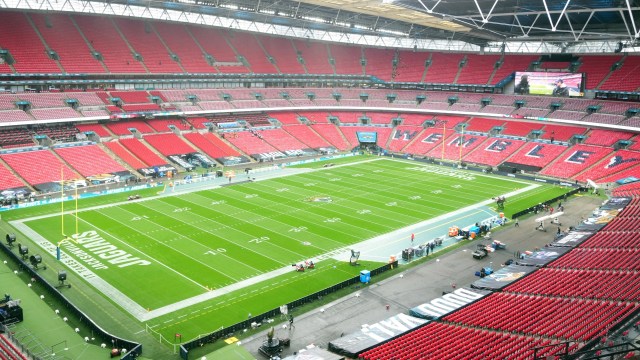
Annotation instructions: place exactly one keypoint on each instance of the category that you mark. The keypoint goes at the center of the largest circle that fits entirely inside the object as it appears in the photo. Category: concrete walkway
(367, 305)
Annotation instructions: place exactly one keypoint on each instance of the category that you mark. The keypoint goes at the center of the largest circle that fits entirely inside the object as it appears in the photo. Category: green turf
(202, 241)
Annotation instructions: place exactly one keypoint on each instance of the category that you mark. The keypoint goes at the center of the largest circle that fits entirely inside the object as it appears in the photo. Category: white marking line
(383, 239)
(96, 281)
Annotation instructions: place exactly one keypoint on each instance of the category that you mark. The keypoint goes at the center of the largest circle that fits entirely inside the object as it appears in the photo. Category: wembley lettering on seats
(97, 245)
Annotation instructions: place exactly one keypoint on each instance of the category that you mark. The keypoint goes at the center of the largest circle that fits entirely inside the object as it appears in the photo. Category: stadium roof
(461, 25)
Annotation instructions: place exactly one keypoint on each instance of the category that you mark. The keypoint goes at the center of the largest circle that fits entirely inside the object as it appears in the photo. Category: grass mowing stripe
(155, 241)
(197, 211)
(248, 236)
(200, 251)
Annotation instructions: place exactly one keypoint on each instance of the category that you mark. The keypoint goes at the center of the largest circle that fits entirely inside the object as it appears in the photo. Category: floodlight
(62, 276)
(11, 238)
(23, 250)
(35, 261)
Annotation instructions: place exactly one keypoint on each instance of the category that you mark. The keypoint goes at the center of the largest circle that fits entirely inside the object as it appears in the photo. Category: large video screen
(560, 84)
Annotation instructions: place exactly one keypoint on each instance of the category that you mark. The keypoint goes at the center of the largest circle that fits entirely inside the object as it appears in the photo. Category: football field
(207, 258)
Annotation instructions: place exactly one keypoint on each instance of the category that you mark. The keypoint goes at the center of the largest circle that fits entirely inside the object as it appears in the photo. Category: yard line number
(216, 251)
(260, 239)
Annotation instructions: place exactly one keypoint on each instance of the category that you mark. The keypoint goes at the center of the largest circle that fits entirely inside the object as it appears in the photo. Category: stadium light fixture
(23, 250)
(11, 238)
(36, 260)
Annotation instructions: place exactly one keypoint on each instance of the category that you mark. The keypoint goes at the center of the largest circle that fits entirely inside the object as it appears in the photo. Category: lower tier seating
(140, 150)
(89, 160)
(124, 154)
(169, 144)
(40, 166)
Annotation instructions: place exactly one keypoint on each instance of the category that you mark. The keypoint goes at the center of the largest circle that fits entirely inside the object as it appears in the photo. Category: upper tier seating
(58, 113)
(247, 46)
(381, 117)
(286, 118)
(315, 56)
(15, 32)
(163, 125)
(380, 63)
(555, 65)
(478, 69)
(14, 115)
(282, 50)
(140, 107)
(7, 101)
(89, 160)
(62, 36)
(604, 118)
(122, 127)
(411, 66)
(131, 97)
(43, 100)
(567, 115)
(179, 40)
(347, 58)
(215, 44)
(597, 67)
(40, 166)
(624, 78)
(578, 158)
(144, 40)
(125, 154)
(414, 119)
(105, 39)
(511, 64)
(307, 136)
(444, 68)
(85, 98)
(142, 152)
(96, 128)
(347, 117)
(169, 144)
